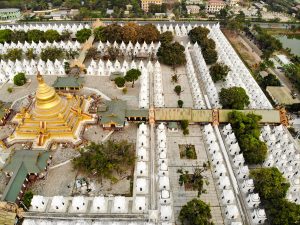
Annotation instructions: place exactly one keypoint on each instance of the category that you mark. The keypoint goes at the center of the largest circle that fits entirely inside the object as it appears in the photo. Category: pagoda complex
(51, 117)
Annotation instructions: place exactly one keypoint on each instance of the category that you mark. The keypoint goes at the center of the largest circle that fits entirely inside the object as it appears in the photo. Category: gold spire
(46, 97)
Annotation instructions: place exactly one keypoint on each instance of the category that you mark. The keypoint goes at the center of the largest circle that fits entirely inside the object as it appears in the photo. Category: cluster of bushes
(233, 98)
(199, 35)
(247, 132)
(129, 32)
(131, 76)
(272, 188)
(184, 126)
(170, 53)
(34, 35)
(218, 71)
(19, 79)
(267, 43)
(292, 71)
(51, 53)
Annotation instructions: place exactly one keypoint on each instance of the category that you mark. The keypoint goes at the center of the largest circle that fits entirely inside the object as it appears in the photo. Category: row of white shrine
(241, 173)
(99, 204)
(137, 49)
(38, 47)
(8, 69)
(284, 154)
(73, 28)
(165, 197)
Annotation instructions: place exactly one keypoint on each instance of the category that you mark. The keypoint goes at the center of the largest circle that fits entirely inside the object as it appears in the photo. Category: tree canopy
(20, 79)
(247, 132)
(120, 81)
(234, 98)
(171, 54)
(35, 35)
(198, 34)
(269, 183)
(195, 212)
(270, 80)
(210, 55)
(166, 37)
(51, 36)
(282, 212)
(107, 159)
(132, 75)
(83, 34)
(218, 72)
(14, 54)
(5, 35)
(52, 53)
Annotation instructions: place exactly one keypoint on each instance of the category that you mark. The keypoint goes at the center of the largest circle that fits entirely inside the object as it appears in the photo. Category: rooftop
(281, 95)
(22, 163)
(63, 82)
(4, 106)
(9, 10)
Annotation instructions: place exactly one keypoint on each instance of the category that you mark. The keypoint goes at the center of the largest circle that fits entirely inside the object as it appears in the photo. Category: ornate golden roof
(46, 97)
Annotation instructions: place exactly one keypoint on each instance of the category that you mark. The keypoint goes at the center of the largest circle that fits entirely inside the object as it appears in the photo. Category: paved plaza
(180, 196)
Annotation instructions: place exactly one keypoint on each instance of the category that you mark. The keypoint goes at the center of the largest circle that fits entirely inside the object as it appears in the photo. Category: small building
(5, 111)
(281, 95)
(59, 15)
(68, 83)
(116, 114)
(283, 60)
(23, 167)
(213, 6)
(194, 2)
(10, 14)
(172, 126)
(193, 9)
(145, 4)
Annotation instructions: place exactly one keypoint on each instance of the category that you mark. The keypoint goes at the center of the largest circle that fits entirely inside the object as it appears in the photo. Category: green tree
(166, 37)
(177, 89)
(112, 33)
(171, 54)
(132, 75)
(14, 54)
(51, 36)
(148, 33)
(35, 36)
(91, 53)
(271, 80)
(180, 103)
(234, 98)
(195, 212)
(107, 159)
(254, 150)
(184, 124)
(27, 199)
(130, 32)
(120, 81)
(83, 34)
(5, 35)
(210, 56)
(113, 52)
(99, 34)
(282, 212)
(65, 35)
(20, 79)
(198, 34)
(30, 54)
(218, 72)
(52, 53)
(269, 183)
(207, 44)
(19, 35)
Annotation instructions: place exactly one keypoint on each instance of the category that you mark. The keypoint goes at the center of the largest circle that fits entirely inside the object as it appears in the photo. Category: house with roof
(115, 114)
(23, 167)
(70, 83)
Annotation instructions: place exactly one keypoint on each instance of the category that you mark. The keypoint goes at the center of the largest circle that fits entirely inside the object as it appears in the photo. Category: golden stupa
(52, 117)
